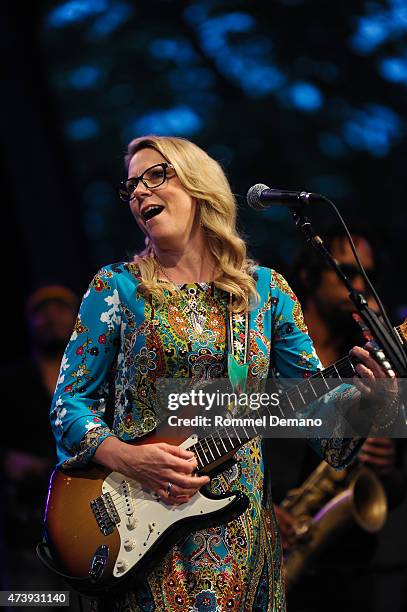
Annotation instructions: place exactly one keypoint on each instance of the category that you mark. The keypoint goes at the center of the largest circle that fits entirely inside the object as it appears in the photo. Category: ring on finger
(169, 487)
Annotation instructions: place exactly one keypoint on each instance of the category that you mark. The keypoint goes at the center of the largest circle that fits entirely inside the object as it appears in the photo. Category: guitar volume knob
(131, 522)
(122, 565)
(129, 544)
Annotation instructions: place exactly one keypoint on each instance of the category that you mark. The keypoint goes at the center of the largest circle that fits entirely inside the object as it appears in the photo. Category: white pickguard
(144, 516)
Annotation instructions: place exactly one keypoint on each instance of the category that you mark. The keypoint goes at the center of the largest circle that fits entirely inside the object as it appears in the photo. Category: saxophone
(328, 501)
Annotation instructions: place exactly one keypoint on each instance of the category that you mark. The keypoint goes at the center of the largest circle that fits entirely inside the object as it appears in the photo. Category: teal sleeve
(294, 357)
(293, 354)
(82, 392)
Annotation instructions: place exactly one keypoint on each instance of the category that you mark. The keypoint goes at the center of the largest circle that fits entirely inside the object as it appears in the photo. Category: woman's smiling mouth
(151, 211)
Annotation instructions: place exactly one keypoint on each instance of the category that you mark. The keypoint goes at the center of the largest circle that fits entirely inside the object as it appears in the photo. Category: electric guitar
(103, 529)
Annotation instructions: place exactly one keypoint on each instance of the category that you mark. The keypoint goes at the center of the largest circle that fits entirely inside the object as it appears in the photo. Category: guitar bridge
(105, 513)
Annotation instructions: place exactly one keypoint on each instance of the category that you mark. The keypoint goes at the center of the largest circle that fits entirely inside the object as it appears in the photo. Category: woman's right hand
(154, 466)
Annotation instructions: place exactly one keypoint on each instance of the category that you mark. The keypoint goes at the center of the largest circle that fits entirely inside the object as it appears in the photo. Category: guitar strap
(238, 369)
(238, 347)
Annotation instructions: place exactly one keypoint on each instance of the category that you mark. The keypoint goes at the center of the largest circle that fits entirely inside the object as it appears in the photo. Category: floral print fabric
(123, 343)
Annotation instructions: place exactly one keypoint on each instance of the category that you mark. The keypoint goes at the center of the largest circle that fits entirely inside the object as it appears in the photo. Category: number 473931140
(34, 598)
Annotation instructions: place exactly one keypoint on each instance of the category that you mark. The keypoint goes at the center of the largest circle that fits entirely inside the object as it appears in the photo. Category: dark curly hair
(308, 265)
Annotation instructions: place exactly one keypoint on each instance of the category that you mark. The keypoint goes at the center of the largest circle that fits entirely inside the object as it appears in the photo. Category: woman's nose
(141, 192)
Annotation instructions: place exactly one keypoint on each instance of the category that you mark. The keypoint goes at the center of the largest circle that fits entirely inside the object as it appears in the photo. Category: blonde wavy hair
(203, 179)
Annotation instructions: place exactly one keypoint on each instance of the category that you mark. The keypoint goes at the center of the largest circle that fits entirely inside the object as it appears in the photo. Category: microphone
(261, 196)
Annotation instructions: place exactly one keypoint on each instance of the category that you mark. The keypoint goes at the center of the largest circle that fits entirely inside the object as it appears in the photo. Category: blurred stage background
(295, 94)
(307, 95)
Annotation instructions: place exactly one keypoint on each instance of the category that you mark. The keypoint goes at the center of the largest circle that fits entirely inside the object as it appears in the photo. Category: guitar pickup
(124, 490)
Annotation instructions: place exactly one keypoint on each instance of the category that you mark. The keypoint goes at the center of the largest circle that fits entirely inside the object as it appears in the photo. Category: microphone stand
(386, 338)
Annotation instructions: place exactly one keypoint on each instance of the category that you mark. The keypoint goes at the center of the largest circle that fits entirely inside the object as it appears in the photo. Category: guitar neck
(217, 448)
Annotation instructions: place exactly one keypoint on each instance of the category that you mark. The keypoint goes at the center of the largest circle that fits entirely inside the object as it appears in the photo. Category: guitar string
(318, 375)
(118, 497)
(115, 493)
(120, 503)
(138, 505)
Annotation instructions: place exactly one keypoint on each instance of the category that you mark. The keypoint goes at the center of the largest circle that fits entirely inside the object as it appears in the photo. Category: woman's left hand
(376, 383)
(369, 368)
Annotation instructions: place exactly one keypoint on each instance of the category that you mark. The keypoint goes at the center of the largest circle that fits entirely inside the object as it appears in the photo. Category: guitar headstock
(375, 349)
(402, 330)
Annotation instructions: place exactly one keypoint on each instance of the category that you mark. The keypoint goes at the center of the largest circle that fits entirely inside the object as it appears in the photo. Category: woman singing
(165, 315)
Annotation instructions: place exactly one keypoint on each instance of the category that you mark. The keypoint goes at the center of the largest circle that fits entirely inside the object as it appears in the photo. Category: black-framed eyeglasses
(151, 178)
(351, 271)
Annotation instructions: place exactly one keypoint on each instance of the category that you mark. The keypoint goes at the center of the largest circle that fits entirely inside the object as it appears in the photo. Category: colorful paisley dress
(121, 344)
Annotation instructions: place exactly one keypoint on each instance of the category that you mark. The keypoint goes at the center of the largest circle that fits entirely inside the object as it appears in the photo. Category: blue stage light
(306, 96)
(83, 128)
(180, 120)
(75, 11)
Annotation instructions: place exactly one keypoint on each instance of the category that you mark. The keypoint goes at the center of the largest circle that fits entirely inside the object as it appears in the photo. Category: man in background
(28, 447)
(342, 576)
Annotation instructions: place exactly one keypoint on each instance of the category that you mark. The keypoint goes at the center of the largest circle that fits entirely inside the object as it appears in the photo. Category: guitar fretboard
(213, 448)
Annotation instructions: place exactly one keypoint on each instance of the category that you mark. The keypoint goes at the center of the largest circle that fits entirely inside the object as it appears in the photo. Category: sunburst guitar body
(103, 529)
